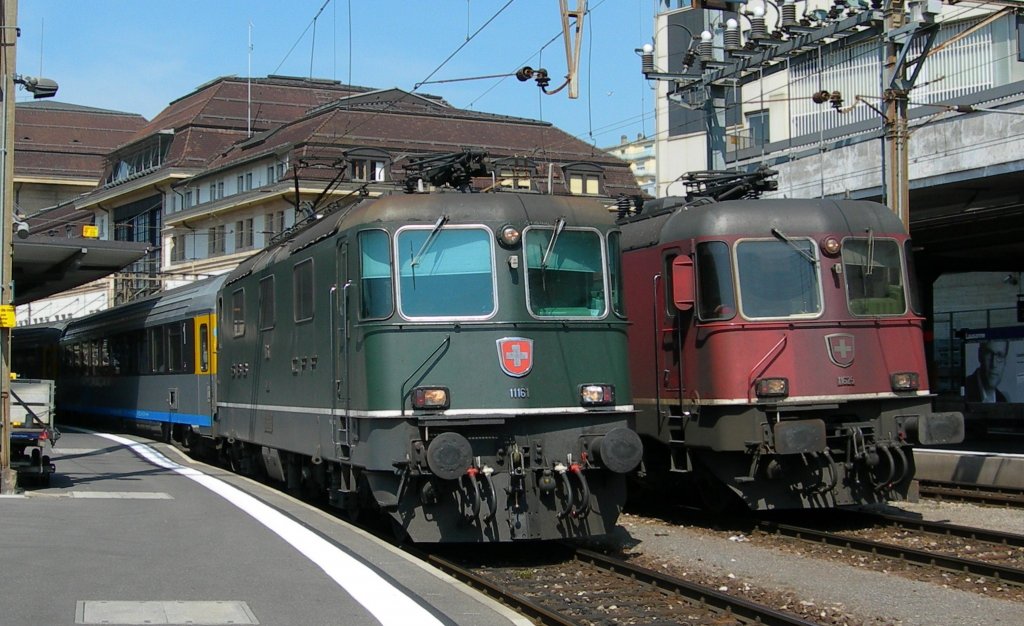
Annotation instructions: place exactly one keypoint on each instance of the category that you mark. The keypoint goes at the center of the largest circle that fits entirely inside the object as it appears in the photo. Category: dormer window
(515, 174)
(368, 165)
(584, 179)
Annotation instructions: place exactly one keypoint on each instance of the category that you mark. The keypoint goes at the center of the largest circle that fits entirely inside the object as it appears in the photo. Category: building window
(248, 181)
(220, 190)
(188, 199)
(213, 192)
(584, 184)
(273, 224)
(757, 123)
(271, 177)
(215, 239)
(239, 184)
(368, 169)
(302, 291)
(177, 248)
(243, 234)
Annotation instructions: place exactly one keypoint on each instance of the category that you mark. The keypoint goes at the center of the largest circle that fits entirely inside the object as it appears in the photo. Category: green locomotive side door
(340, 421)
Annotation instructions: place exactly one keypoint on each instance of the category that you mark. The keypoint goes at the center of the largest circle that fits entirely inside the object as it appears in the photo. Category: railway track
(972, 493)
(587, 587)
(930, 556)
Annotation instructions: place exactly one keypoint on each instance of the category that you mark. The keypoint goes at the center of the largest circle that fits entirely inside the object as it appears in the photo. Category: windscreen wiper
(807, 255)
(559, 227)
(438, 225)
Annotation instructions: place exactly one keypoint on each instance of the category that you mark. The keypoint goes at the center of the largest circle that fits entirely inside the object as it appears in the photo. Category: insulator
(820, 97)
(689, 58)
(704, 49)
(731, 37)
(758, 29)
(789, 15)
(647, 63)
(836, 99)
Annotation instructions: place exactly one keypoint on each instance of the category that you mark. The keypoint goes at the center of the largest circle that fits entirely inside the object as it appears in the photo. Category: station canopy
(44, 266)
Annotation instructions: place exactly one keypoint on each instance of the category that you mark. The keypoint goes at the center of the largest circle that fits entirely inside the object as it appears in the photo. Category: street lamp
(39, 88)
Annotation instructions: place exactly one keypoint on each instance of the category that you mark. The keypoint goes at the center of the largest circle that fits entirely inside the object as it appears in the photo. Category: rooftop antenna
(248, 86)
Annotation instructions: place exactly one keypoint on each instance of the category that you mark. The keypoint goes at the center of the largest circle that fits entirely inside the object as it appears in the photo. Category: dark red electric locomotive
(777, 352)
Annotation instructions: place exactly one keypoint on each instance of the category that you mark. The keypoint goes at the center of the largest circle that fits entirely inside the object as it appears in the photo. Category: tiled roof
(54, 139)
(409, 125)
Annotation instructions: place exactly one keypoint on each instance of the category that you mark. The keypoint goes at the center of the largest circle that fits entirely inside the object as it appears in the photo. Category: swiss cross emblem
(840, 349)
(515, 354)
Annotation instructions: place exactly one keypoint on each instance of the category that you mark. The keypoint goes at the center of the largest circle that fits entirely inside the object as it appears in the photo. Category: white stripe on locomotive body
(796, 400)
(625, 408)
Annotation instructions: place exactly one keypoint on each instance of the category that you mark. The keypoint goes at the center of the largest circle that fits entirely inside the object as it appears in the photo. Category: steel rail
(920, 557)
(949, 530)
(972, 493)
(744, 610)
(538, 613)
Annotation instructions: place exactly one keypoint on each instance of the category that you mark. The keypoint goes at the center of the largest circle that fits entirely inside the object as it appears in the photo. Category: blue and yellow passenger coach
(152, 361)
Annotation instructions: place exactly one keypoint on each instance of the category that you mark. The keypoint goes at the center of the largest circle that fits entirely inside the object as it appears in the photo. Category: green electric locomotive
(455, 361)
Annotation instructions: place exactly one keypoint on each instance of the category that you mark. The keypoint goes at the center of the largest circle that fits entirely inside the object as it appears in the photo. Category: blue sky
(139, 55)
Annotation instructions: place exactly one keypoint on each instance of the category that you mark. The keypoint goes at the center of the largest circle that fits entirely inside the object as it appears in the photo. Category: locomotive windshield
(714, 281)
(778, 278)
(874, 276)
(565, 272)
(445, 272)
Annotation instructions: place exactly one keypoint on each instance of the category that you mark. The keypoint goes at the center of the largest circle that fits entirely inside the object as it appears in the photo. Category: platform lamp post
(40, 88)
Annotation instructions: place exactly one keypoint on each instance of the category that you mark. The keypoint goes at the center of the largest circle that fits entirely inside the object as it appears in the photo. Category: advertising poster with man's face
(994, 370)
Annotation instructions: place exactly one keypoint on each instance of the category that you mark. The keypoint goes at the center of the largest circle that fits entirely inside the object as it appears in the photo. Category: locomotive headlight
(509, 236)
(772, 387)
(430, 398)
(905, 381)
(597, 395)
(830, 245)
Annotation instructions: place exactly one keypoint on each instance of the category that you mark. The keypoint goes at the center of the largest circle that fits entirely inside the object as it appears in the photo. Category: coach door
(205, 368)
(340, 336)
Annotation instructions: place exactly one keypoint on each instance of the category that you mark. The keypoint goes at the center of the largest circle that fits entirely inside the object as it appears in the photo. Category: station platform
(990, 462)
(133, 532)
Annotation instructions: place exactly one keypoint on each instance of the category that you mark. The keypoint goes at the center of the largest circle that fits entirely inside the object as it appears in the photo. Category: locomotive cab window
(615, 277)
(445, 271)
(778, 278)
(376, 293)
(716, 298)
(564, 272)
(874, 276)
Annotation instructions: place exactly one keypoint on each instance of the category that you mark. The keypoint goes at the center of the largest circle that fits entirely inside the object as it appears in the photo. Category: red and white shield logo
(840, 349)
(515, 354)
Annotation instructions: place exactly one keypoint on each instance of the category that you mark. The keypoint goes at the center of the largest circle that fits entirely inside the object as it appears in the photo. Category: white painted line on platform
(69, 451)
(387, 603)
(119, 495)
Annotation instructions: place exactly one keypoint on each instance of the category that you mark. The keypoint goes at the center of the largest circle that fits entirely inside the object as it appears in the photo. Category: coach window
(238, 313)
(204, 348)
(267, 313)
(778, 277)
(874, 276)
(445, 271)
(302, 291)
(157, 359)
(564, 276)
(376, 294)
(716, 299)
(175, 347)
